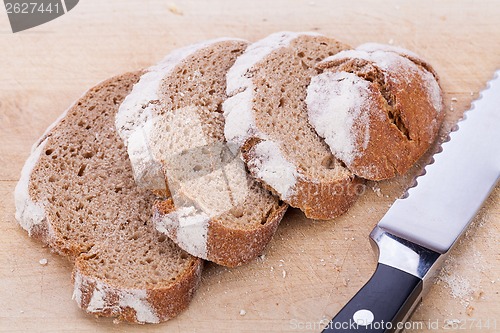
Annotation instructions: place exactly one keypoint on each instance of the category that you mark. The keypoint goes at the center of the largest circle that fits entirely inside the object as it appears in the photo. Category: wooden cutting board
(311, 268)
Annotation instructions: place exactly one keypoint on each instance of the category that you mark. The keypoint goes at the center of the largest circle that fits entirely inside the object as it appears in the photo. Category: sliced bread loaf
(266, 118)
(173, 125)
(378, 107)
(77, 195)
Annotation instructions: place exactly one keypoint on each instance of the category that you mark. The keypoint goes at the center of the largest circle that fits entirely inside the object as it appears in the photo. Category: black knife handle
(387, 297)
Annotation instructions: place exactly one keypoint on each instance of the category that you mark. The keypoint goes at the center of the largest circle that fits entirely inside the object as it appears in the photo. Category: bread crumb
(242, 312)
(469, 310)
(172, 7)
(391, 41)
(284, 274)
(454, 99)
(116, 321)
(346, 282)
(377, 191)
(43, 262)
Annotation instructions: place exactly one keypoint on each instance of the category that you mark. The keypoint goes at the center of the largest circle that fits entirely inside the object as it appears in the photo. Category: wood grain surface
(311, 268)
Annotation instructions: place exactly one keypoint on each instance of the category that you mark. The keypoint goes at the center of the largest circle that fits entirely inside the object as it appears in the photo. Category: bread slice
(173, 125)
(77, 195)
(266, 118)
(378, 107)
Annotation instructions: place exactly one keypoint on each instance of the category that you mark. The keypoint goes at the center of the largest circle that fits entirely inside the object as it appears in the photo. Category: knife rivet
(363, 317)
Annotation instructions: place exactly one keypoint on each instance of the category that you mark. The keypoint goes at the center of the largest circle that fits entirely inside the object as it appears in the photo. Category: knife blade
(416, 234)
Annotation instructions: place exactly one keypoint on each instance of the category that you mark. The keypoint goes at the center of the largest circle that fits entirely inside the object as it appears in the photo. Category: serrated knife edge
(412, 251)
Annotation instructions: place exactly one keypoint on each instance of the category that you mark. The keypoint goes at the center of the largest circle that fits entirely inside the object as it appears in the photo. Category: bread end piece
(378, 108)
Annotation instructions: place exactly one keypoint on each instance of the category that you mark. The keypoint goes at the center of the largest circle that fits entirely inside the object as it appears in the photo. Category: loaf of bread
(200, 155)
(173, 125)
(378, 108)
(77, 195)
(266, 118)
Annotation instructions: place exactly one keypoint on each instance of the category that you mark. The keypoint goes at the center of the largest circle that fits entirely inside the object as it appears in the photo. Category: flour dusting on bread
(190, 227)
(374, 47)
(137, 108)
(240, 125)
(335, 103)
(273, 168)
(135, 299)
(390, 57)
(393, 113)
(28, 212)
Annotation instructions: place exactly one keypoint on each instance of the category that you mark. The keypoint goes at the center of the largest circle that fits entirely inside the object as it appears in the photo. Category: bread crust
(151, 304)
(223, 242)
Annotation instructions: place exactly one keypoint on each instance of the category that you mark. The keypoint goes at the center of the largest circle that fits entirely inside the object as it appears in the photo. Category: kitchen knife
(416, 234)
